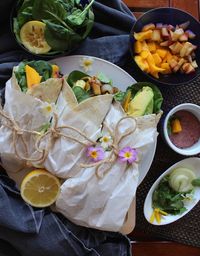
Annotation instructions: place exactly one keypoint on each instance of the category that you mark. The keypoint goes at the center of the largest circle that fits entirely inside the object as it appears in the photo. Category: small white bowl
(193, 164)
(195, 110)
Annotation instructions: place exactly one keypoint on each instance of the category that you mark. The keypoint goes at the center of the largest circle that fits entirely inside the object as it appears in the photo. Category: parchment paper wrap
(103, 203)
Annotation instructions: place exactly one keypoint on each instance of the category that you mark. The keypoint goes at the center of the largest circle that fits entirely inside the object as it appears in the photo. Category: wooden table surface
(142, 243)
(140, 6)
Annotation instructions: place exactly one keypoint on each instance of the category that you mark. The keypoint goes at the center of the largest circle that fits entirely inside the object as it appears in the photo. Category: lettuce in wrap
(39, 79)
(85, 86)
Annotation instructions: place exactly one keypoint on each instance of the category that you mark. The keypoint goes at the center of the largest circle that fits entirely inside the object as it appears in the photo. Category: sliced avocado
(149, 109)
(142, 102)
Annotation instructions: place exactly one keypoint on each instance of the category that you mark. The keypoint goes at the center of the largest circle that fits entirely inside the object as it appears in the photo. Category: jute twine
(55, 132)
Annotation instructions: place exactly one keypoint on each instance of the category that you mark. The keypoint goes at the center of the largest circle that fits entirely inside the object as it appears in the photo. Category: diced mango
(32, 76)
(157, 59)
(144, 46)
(143, 64)
(161, 52)
(176, 126)
(140, 36)
(166, 67)
(144, 54)
(55, 71)
(153, 68)
(138, 47)
(152, 46)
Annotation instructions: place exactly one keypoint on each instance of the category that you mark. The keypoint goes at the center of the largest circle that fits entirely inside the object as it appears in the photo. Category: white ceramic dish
(120, 79)
(195, 110)
(193, 164)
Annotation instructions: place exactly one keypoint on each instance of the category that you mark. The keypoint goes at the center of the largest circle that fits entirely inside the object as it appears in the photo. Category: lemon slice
(40, 188)
(32, 37)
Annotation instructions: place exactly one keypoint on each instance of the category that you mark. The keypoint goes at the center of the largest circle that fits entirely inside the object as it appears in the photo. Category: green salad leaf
(167, 199)
(42, 67)
(68, 22)
(119, 96)
(60, 38)
(74, 76)
(80, 93)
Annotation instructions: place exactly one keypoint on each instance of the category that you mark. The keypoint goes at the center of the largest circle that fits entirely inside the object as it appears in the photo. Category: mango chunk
(152, 46)
(55, 71)
(140, 36)
(161, 52)
(143, 64)
(32, 76)
(144, 54)
(166, 67)
(153, 68)
(176, 126)
(138, 47)
(157, 59)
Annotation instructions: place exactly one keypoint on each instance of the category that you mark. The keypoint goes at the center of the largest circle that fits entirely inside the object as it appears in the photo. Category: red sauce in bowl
(190, 133)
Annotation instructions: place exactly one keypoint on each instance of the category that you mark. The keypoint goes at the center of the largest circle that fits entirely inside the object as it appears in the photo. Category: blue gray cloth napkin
(28, 231)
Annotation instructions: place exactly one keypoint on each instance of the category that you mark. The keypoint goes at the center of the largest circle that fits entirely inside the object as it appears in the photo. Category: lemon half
(40, 188)
(32, 37)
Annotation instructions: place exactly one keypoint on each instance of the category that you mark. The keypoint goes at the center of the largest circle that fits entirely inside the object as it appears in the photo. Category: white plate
(120, 79)
(193, 164)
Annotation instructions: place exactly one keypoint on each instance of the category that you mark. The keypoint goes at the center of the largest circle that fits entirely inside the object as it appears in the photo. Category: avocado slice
(142, 102)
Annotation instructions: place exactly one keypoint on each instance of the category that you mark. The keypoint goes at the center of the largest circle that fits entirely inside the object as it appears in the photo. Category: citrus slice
(40, 188)
(32, 37)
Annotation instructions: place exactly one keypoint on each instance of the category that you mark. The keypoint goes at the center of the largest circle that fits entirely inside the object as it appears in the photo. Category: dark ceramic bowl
(50, 54)
(171, 16)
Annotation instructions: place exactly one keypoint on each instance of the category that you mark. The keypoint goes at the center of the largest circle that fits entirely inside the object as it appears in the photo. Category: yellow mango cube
(161, 52)
(166, 67)
(140, 36)
(157, 59)
(142, 63)
(152, 46)
(144, 54)
(138, 46)
(153, 68)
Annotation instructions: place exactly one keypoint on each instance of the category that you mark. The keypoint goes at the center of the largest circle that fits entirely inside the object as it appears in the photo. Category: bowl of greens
(51, 27)
(174, 193)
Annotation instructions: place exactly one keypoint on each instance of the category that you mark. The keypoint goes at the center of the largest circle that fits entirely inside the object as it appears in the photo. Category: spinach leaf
(157, 99)
(78, 16)
(88, 24)
(50, 10)
(21, 76)
(25, 16)
(16, 29)
(80, 93)
(74, 76)
(59, 37)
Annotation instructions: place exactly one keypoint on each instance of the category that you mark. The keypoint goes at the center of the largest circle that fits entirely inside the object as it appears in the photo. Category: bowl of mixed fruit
(165, 46)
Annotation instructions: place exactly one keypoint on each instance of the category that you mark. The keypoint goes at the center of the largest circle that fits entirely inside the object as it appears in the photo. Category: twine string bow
(55, 132)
